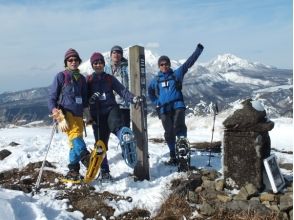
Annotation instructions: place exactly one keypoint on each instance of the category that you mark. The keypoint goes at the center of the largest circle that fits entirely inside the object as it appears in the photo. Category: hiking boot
(86, 159)
(173, 161)
(73, 175)
(106, 177)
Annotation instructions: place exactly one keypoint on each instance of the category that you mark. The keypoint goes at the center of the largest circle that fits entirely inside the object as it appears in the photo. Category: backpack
(67, 80)
(178, 83)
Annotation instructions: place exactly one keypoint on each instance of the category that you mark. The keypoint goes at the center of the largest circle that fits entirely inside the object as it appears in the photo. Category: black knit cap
(117, 48)
(163, 58)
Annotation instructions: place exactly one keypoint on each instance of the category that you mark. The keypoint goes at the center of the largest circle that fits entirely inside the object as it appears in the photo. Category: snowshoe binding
(72, 176)
(128, 145)
(183, 154)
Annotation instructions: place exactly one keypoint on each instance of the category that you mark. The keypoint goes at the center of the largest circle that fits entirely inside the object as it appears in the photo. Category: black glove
(94, 97)
(200, 46)
(137, 100)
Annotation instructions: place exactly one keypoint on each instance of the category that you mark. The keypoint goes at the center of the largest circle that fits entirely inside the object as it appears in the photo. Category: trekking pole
(44, 161)
(215, 112)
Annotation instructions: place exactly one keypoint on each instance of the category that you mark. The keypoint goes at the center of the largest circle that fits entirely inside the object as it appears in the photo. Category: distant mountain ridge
(225, 79)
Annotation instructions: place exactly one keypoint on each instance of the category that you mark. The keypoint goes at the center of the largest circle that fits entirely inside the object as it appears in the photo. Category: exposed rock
(267, 197)
(224, 198)
(286, 166)
(219, 184)
(207, 209)
(246, 145)
(251, 190)
(4, 153)
(242, 195)
(286, 202)
(13, 144)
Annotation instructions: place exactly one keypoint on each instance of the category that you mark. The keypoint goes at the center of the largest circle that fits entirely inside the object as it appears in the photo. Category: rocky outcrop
(246, 145)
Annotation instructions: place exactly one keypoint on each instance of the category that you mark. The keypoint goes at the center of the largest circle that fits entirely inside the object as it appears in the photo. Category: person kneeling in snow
(104, 110)
(165, 93)
(67, 100)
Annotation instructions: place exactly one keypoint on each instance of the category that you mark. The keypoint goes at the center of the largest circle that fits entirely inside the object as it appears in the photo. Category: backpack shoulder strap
(66, 81)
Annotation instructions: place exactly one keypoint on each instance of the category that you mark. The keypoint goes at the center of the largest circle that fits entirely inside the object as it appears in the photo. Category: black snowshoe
(183, 154)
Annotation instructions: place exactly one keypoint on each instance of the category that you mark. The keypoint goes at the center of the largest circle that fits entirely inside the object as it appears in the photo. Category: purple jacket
(107, 85)
(68, 94)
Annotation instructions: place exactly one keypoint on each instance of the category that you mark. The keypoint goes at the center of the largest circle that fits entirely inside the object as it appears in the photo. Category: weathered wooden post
(139, 115)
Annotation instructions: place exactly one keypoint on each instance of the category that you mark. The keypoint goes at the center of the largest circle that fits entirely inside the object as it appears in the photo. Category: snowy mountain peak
(228, 61)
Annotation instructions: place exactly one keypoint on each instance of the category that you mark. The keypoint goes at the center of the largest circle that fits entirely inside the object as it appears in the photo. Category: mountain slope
(224, 79)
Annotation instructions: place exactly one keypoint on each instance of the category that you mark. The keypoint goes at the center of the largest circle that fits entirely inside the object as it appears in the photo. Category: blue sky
(35, 34)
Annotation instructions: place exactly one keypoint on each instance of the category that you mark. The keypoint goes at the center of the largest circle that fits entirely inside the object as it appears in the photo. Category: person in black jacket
(103, 86)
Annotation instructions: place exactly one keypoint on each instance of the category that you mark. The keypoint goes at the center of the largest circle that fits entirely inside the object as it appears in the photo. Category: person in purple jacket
(104, 86)
(67, 101)
(165, 93)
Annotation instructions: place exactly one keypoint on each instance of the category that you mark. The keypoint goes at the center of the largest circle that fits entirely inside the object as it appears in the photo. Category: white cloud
(152, 45)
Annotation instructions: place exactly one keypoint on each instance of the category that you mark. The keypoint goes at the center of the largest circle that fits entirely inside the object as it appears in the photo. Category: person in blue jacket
(105, 106)
(67, 101)
(165, 93)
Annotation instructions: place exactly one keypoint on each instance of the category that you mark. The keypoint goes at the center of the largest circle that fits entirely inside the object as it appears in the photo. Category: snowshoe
(128, 146)
(183, 154)
(96, 158)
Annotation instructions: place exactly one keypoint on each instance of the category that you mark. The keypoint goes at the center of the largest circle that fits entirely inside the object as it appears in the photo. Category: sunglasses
(72, 60)
(164, 64)
(99, 62)
(116, 52)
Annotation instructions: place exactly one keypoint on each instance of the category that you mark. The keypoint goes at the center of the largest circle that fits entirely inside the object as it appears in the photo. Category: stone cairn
(246, 145)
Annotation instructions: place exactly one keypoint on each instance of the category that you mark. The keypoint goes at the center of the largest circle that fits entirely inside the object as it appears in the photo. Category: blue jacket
(108, 86)
(163, 89)
(68, 94)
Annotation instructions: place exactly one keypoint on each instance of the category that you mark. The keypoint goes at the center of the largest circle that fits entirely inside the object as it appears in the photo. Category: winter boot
(106, 177)
(128, 146)
(85, 158)
(73, 173)
(173, 161)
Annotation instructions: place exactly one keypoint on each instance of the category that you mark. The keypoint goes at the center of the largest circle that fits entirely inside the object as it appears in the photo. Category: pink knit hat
(97, 56)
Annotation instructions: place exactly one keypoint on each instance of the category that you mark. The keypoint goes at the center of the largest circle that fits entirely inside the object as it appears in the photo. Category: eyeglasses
(72, 60)
(164, 64)
(99, 62)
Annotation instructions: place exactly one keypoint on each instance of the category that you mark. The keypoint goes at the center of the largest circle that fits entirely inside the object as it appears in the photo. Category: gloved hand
(94, 97)
(87, 116)
(200, 46)
(58, 115)
(137, 100)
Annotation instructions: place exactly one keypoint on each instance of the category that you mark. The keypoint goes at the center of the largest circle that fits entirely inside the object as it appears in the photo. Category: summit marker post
(137, 75)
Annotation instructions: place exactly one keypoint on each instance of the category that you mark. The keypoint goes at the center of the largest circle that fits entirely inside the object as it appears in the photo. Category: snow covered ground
(146, 194)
